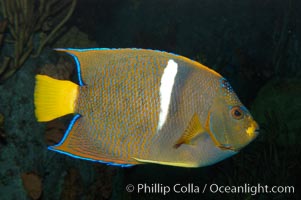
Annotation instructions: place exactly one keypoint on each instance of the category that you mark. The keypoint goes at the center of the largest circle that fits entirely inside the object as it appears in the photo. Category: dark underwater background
(255, 44)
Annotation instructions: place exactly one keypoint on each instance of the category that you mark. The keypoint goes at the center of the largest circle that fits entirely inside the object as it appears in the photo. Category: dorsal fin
(86, 60)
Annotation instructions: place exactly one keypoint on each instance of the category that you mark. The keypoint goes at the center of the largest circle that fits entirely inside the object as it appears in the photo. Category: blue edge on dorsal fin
(78, 68)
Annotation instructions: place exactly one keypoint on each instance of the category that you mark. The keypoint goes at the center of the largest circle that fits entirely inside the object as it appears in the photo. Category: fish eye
(237, 113)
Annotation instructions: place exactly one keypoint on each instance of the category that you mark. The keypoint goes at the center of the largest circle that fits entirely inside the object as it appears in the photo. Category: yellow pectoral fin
(193, 129)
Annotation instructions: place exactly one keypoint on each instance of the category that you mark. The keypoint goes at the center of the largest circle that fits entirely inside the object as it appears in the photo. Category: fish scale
(133, 126)
(134, 137)
(135, 106)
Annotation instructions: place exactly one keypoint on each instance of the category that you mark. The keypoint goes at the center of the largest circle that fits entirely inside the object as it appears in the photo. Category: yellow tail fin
(54, 98)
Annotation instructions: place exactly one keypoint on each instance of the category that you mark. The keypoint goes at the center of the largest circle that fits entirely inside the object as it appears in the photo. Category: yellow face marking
(251, 129)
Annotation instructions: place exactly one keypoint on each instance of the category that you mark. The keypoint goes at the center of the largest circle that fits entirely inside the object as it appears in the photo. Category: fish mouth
(253, 130)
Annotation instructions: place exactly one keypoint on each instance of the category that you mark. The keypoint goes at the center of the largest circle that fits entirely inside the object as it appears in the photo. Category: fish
(138, 106)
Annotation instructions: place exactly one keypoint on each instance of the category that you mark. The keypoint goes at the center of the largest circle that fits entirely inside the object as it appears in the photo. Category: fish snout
(253, 130)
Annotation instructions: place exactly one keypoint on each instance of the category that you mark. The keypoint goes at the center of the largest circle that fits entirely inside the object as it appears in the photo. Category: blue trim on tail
(52, 148)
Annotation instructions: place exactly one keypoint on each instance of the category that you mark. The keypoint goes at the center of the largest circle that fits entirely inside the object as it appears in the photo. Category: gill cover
(229, 130)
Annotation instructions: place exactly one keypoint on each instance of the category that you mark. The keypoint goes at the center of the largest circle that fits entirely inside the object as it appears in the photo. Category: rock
(62, 70)
(32, 184)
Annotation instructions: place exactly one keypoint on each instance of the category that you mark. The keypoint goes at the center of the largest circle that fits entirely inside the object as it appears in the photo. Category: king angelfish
(136, 106)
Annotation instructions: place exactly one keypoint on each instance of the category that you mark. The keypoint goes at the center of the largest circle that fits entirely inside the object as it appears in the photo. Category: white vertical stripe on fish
(167, 82)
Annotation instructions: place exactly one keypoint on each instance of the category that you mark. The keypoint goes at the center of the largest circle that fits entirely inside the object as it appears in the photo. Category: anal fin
(78, 143)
